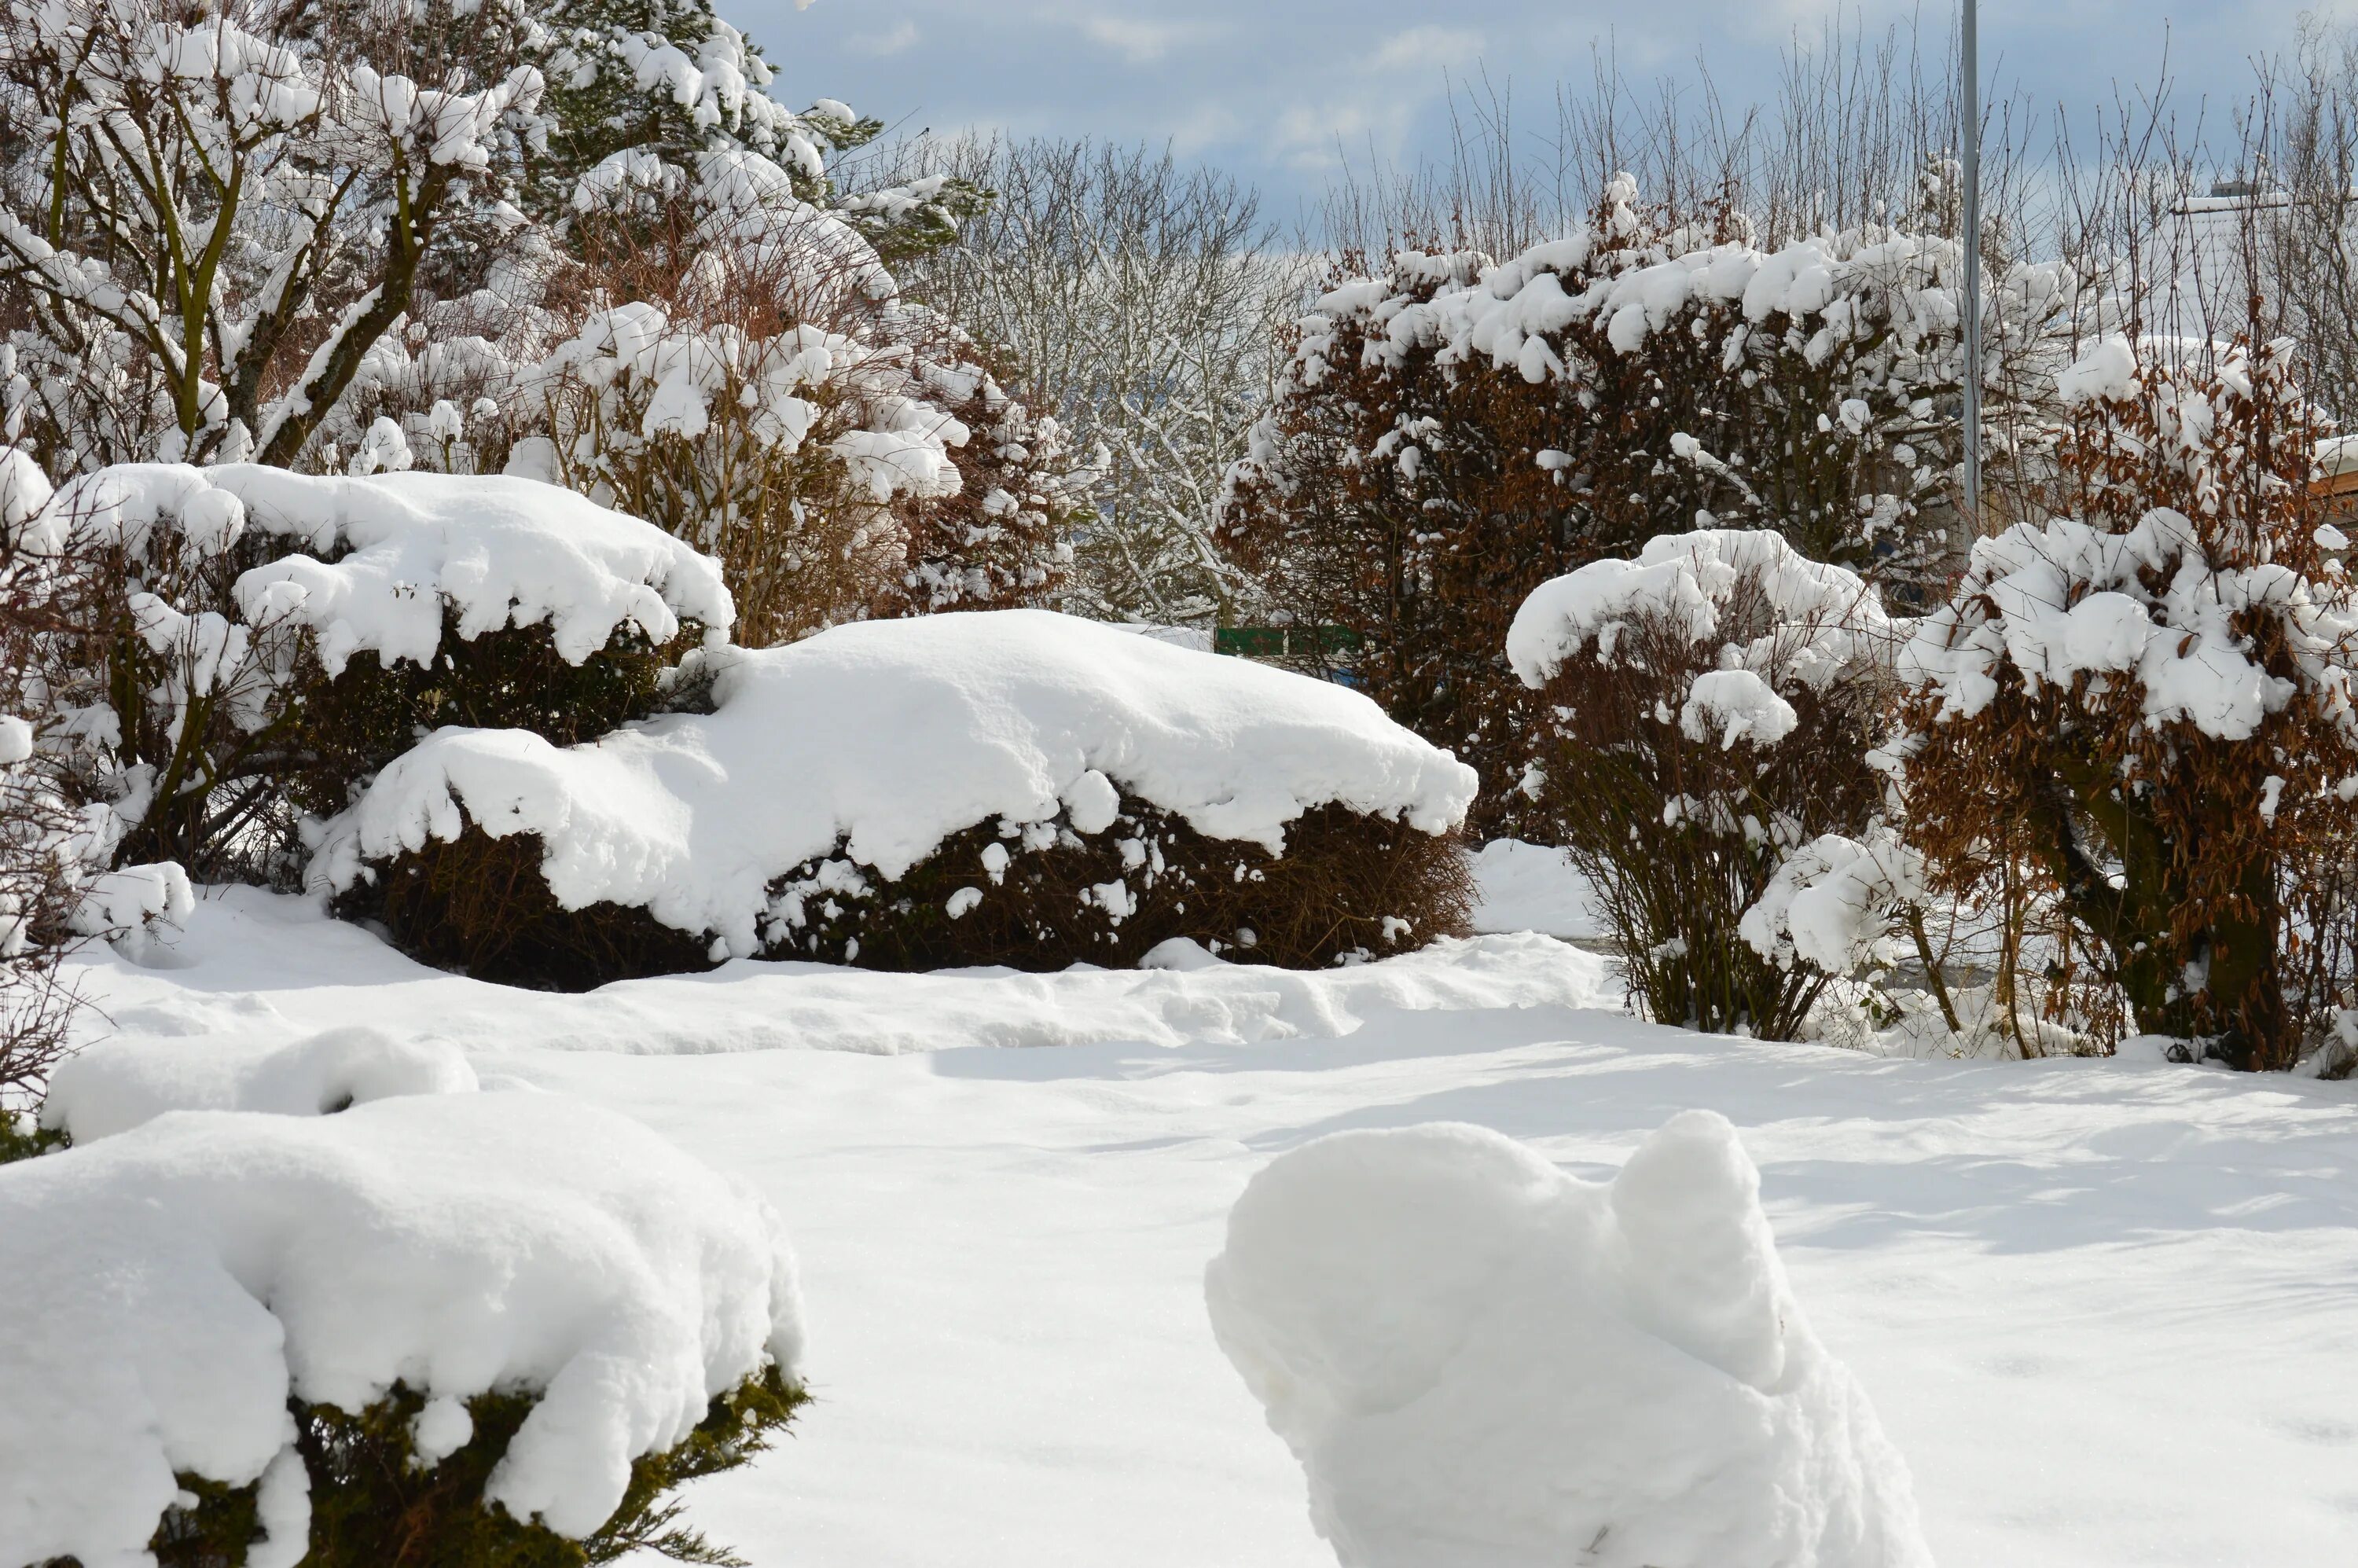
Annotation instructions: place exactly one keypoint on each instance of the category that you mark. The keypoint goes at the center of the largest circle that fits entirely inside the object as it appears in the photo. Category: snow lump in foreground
(1484, 1363)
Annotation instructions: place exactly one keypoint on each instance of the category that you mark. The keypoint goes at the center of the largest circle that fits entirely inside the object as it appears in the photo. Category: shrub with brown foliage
(1707, 710)
(2146, 702)
(1036, 896)
(749, 379)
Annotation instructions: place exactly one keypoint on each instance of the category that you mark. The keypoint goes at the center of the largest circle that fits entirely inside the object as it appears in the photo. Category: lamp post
(1970, 327)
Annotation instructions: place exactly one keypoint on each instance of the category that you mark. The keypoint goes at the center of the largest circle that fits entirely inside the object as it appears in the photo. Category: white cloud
(893, 42)
(1427, 46)
(1134, 38)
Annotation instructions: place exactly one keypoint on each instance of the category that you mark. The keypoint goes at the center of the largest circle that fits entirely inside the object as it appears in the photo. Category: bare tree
(1140, 302)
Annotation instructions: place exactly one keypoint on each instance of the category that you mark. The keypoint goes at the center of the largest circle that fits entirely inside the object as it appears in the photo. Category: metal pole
(1972, 325)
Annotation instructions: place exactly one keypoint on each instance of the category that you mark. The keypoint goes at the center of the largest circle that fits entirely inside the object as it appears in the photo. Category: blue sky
(1265, 88)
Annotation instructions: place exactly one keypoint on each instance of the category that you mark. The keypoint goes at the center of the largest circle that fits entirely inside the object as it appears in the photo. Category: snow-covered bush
(1483, 1362)
(1454, 431)
(739, 368)
(1014, 785)
(317, 181)
(54, 849)
(2147, 700)
(493, 1327)
(255, 642)
(1705, 710)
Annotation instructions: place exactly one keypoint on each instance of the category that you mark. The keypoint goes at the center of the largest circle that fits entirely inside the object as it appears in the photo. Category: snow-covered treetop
(1824, 618)
(389, 555)
(2051, 604)
(882, 738)
(168, 1289)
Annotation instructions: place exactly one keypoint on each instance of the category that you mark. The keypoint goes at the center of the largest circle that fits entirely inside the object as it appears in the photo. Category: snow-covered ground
(2108, 1311)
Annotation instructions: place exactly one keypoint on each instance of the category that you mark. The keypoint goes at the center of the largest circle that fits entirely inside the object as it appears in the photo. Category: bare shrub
(1139, 303)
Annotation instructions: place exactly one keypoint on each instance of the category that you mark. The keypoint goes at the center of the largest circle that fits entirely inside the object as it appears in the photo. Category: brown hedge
(340, 730)
(1346, 885)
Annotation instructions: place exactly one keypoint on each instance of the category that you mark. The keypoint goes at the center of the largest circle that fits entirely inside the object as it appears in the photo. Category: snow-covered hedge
(334, 1320)
(1650, 373)
(1705, 711)
(914, 769)
(257, 635)
(1483, 1362)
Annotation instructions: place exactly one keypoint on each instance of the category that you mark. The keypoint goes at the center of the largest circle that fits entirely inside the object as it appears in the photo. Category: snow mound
(1484, 1363)
(113, 1086)
(168, 1290)
(886, 738)
(389, 552)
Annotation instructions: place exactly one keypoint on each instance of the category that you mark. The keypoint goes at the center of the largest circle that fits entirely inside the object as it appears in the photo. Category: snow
(112, 1087)
(1554, 1370)
(134, 904)
(2106, 372)
(232, 973)
(1532, 887)
(387, 554)
(1827, 616)
(1723, 707)
(2057, 1280)
(2066, 601)
(1832, 901)
(168, 1287)
(884, 738)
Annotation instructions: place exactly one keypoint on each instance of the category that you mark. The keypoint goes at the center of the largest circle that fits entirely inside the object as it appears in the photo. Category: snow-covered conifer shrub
(441, 1326)
(1009, 787)
(1452, 431)
(2146, 702)
(1705, 712)
(253, 644)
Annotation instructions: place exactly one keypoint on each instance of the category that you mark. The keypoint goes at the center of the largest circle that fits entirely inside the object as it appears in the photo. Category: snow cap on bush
(168, 1290)
(1688, 578)
(886, 738)
(1834, 902)
(388, 553)
(1484, 1362)
(2068, 599)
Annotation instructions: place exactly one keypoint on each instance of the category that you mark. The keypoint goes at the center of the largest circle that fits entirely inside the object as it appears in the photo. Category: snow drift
(115, 1085)
(881, 739)
(166, 1290)
(1484, 1363)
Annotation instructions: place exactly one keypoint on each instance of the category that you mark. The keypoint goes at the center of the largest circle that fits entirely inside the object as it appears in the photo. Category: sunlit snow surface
(2108, 1311)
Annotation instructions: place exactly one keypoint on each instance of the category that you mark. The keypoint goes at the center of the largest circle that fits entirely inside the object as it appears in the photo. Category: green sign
(1278, 641)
